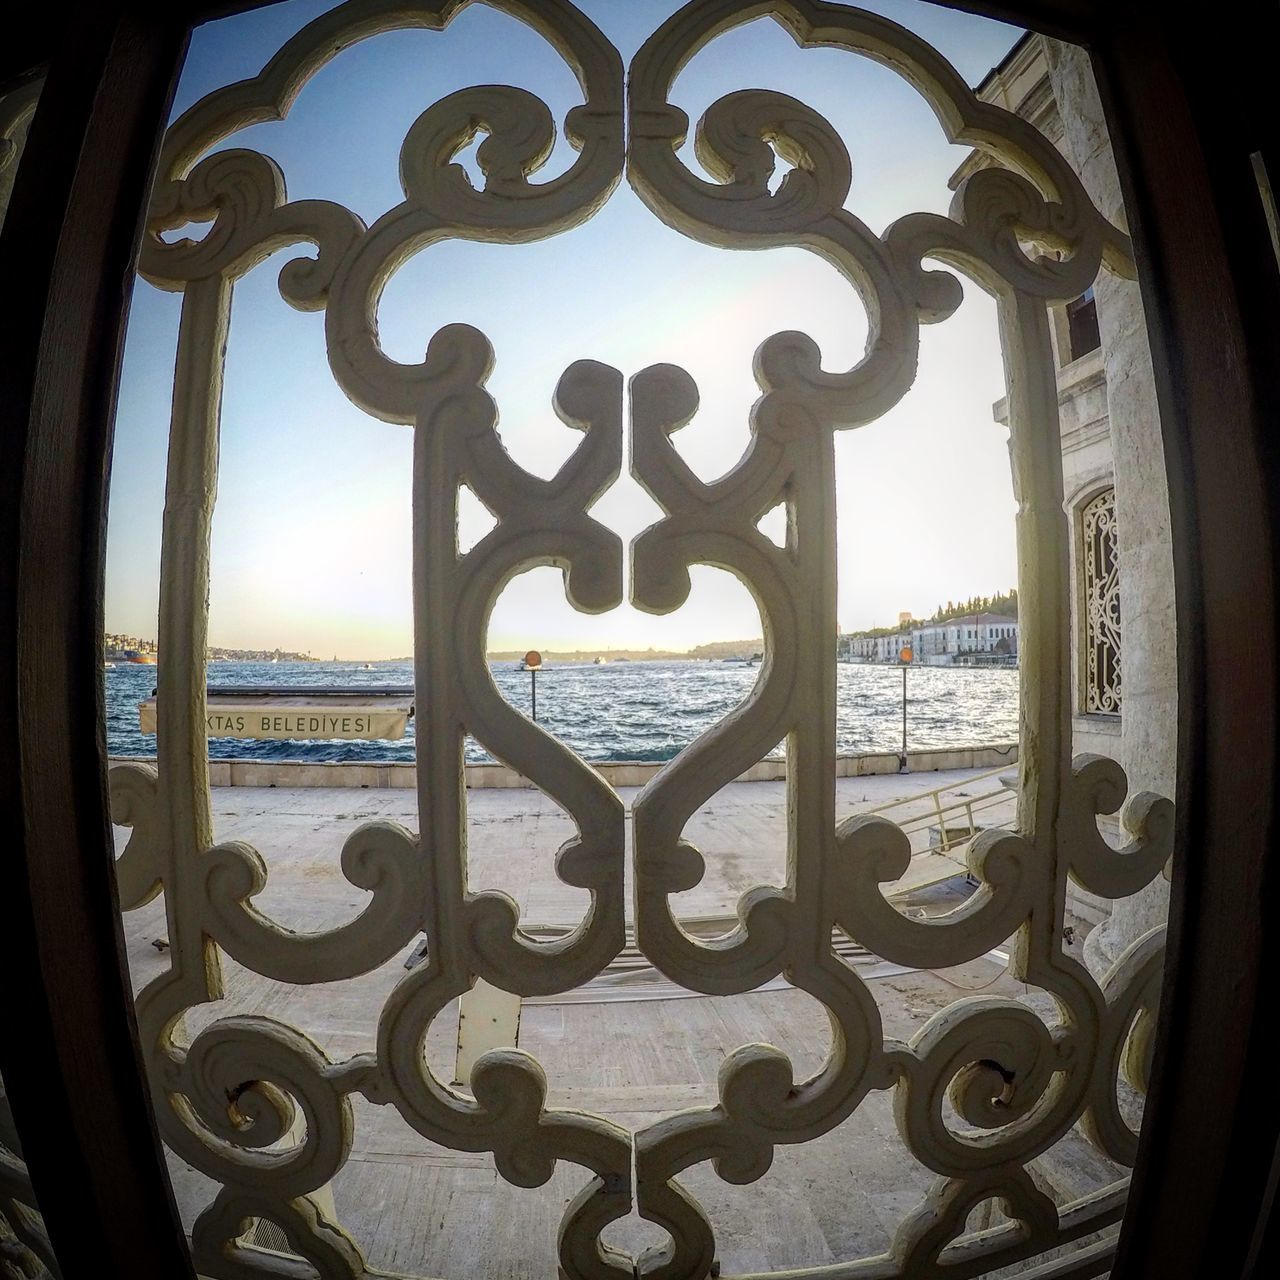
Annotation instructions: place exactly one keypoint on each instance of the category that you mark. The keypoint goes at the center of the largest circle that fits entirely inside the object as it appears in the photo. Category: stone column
(1148, 743)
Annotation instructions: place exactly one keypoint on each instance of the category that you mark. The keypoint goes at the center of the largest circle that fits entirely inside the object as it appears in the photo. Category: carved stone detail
(254, 1103)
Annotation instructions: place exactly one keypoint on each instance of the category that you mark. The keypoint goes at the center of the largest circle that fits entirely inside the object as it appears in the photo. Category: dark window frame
(1187, 104)
(1083, 335)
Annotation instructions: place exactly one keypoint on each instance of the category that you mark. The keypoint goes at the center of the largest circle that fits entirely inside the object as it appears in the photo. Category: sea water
(615, 710)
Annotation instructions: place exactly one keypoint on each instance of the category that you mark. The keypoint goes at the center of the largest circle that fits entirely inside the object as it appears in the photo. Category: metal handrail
(938, 811)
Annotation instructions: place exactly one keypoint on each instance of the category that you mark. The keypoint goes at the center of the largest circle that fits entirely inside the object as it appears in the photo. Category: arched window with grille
(1100, 565)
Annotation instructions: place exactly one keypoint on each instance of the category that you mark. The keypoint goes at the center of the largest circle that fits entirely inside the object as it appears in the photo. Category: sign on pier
(360, 715)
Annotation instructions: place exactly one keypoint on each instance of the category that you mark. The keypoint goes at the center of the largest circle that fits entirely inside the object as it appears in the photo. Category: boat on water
(367, 666)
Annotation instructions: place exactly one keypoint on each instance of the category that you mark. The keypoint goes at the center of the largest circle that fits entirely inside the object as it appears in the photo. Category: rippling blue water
(619, 710)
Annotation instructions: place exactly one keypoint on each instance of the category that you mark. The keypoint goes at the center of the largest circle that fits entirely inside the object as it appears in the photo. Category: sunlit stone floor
(418, 1209)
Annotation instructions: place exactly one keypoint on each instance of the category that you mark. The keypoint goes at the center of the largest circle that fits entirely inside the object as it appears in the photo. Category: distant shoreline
(609, 655)
(746, 649)
(551, 657)
(717, 649)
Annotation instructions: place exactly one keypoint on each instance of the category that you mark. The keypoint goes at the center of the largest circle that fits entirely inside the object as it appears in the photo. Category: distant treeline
(1005, 605)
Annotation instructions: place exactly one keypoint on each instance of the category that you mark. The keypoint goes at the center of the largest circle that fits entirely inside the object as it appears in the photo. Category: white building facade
(938, 643)
(1115, 488)
(1114, 484)
(885, 647)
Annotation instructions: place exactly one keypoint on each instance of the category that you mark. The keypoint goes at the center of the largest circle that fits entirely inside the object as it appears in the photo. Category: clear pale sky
(311, 544)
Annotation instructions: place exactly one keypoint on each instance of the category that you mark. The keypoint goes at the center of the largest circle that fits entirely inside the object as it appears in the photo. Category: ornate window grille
(988, 1084)
(1100, 563)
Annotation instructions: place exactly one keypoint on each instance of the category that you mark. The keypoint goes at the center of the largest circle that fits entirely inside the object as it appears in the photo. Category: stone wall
(305, 773)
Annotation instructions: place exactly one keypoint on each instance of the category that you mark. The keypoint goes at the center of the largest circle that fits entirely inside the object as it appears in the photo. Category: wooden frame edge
(73, 1071)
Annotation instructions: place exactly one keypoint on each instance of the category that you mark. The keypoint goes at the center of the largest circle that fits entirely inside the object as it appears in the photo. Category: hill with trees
(1005, 604)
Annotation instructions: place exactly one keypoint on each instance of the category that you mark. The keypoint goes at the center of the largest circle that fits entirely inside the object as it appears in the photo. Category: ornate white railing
(256, 1105)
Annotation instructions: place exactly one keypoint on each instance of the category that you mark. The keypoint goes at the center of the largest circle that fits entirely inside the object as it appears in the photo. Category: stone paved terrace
(627, 1046)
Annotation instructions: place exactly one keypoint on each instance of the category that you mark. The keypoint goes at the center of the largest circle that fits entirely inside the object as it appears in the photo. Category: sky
(311, 538)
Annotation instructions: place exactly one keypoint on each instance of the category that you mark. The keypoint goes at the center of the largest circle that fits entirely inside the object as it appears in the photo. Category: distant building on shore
(882, 645)
(970, 634)
(126, 649)
(984, 636)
